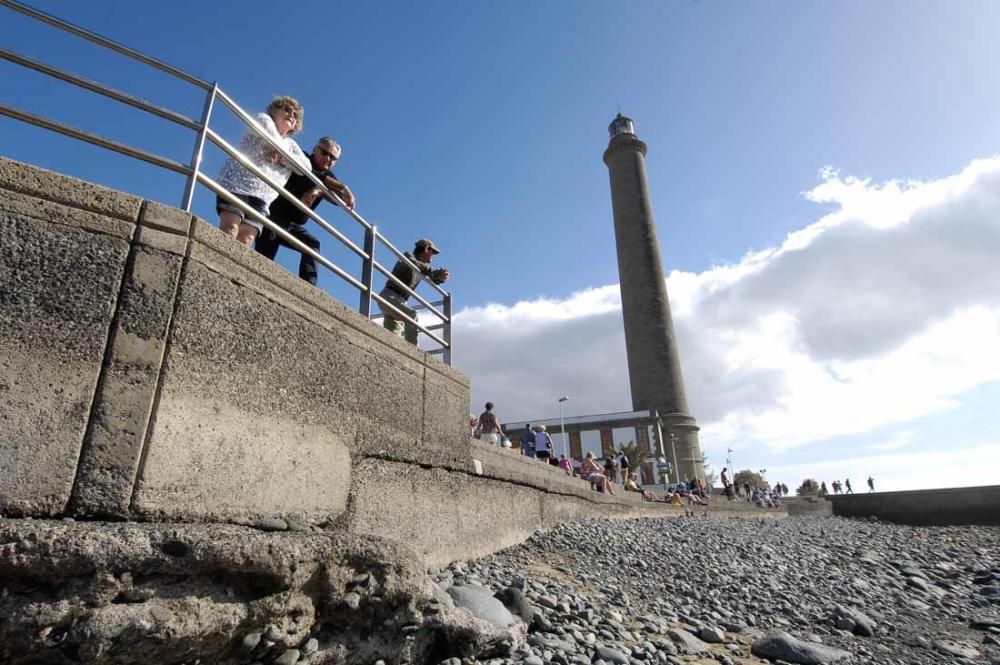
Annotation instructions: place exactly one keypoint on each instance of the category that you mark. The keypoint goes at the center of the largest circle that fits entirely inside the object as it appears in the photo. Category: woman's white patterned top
(238, 180)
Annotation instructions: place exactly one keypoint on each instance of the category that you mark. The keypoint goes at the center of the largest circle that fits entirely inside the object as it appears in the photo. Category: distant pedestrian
(746, 489)
(528, 441)
(871, 484)
(610, 469)
(822, 489)
(847, 482)
(489, 426)
(543, 444)
(623, 463)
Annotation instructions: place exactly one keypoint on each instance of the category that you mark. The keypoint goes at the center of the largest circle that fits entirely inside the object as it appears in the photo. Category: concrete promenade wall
(811, 506)
(938, 507)
(152, 369)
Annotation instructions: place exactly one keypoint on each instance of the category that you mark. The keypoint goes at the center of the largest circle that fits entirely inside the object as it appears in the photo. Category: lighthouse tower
(653, 364)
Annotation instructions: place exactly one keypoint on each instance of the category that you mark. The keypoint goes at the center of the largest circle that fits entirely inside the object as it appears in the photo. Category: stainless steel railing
(372, 238)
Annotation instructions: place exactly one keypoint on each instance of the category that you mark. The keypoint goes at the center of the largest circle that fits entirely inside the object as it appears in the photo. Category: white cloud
(896, 441)
(963, 467)
(881, 311)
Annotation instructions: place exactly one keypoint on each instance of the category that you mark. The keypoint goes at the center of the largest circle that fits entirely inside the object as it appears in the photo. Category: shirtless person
(595, 476)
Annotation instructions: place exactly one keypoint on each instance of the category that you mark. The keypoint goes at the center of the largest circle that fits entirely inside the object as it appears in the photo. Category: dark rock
(782, 646)
(612, 656)
(686, 642)
(712, 635)
(271, 524)
(289, 657)
(516, 603)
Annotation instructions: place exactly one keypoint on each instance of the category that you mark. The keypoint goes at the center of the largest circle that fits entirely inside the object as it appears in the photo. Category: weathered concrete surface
(812, 506)
(443, 515)
(49, 187)
(448, 515)
(60, 271)
(132, 593)
(127, 387)
(951, 506)
(241, 402)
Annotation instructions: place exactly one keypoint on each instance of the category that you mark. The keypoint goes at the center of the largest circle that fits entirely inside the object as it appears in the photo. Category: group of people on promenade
(763, 497)
(281, 120)
(844, 487)
(535, 442)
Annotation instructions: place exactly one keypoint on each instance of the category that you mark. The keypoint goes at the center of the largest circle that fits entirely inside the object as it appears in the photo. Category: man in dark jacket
(284, 213)
(421, 256)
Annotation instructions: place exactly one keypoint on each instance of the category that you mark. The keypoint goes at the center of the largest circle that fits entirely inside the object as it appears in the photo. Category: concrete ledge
(55, 187)
(448, 515)
(938, 507)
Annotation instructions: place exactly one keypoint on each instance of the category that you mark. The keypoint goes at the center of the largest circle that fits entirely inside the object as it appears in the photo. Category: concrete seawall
(154, 370)
(938, 507)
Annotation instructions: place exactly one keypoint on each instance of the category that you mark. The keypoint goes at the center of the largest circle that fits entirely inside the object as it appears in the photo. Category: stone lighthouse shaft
(653, 363)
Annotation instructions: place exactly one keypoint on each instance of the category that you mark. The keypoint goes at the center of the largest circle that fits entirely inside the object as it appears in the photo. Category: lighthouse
(654, 366)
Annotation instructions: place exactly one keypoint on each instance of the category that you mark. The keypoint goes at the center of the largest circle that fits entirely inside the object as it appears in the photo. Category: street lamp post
(562, 426)
(673, 451)
(663, 455)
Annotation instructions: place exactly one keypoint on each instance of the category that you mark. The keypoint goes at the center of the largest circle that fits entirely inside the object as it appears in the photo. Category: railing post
(199, 147)
(447, 329)
(368, 273)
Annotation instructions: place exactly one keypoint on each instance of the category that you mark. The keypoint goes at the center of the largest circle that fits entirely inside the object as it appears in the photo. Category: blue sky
(482, 125)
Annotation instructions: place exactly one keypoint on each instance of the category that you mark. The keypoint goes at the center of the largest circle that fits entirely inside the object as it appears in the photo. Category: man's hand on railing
(342, 190)
(440, 275)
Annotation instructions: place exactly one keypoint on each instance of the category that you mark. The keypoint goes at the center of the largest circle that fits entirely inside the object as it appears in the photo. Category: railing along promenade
(195, 175)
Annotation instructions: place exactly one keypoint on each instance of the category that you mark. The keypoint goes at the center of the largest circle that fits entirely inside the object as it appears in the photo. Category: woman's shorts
(542, 454)
(252, 201)
(489, 437)
(593, 477)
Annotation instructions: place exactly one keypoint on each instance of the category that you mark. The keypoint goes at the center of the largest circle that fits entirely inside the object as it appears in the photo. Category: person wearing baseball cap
(421, 256)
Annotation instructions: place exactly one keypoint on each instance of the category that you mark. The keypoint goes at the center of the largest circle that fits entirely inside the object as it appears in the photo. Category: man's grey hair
(329, 140)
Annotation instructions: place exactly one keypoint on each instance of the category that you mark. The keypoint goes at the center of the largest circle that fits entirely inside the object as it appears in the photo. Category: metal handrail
(195, 176)
(105, 42)
(99, 88)
(88, 137)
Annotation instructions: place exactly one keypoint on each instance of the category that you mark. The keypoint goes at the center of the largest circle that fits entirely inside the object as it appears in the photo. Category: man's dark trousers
(268, 243)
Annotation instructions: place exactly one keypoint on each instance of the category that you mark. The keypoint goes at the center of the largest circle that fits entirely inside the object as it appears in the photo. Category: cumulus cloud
(883, 310)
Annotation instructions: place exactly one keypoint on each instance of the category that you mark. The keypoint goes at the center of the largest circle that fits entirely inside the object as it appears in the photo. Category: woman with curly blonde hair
(282, 119)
